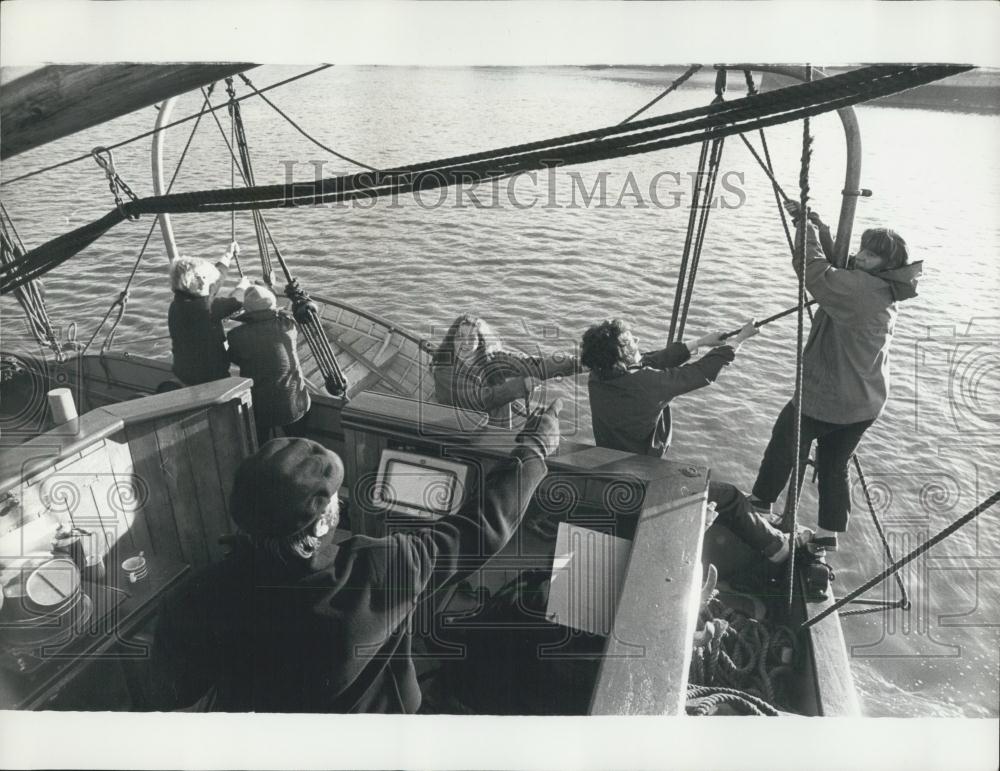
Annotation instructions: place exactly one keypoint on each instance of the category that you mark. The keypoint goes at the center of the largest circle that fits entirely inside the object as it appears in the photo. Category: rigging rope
(302, 131)
(896, 566)
(699, 124)
(672, 87)
(145, 134)
(304, 311)
(124, 295)
(29, 296)
(791, 509)
(701, 206)
(266, 268)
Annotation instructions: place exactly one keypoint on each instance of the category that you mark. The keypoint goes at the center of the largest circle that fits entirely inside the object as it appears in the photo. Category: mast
(159, 188)
(852, 174)
(58, 100)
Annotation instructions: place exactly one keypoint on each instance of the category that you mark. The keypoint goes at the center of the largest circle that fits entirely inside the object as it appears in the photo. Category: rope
(725, 119)
(303, 309)
(247, 167)
(688, 241)
(123, 297)
(697, 223)
(302, 131)
(28, 296)
(715, 157)
(791, 513)
(136, 138)
(672, 87)
(769, 319)
(739, 655)
(897, 566)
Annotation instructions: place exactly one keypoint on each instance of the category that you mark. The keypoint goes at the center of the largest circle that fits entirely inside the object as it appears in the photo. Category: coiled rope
(739, 656)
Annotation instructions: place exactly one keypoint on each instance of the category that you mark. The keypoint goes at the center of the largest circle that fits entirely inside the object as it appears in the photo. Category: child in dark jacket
(196, 314)
(264, 347)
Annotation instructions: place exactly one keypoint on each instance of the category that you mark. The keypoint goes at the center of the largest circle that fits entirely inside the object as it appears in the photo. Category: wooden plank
(836, 694)
(201, 451)
(156, 512)
(229, 439)
(178, 476)
(367, 453)
(120, 459)
(59, 100)
(645, 666)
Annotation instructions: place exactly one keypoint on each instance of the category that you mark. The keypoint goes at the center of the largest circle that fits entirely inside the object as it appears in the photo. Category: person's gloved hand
(244, 283)
(541, 431)
(231, 252)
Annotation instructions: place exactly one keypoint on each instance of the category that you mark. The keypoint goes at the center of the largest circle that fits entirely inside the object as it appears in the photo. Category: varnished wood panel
(210, 506)
(178, 479)
(156, 512)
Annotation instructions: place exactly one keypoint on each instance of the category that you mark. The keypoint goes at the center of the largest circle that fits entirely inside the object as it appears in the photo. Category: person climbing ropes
(264, 347)
(845, 377)
(630, 392)
(195, 316)
(630, 395)
(292, 622)
(472, 370)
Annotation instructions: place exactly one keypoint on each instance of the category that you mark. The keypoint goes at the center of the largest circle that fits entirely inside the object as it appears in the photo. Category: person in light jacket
(264, 346)
(195, 317)
(845, 379)
(472, 370)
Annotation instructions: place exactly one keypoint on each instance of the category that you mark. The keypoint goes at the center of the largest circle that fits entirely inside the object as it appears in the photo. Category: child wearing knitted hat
(264, 346)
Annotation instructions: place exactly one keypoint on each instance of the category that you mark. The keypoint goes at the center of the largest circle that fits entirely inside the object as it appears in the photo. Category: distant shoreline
(976, 91)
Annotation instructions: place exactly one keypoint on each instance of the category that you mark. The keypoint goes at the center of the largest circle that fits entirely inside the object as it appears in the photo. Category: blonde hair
(193, 276)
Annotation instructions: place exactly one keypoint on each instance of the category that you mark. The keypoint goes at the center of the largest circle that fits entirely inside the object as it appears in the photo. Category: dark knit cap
(284, 487)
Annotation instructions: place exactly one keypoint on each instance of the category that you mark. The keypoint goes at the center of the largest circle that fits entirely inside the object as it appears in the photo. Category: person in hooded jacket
(472, 370)
(264, 346)
(195, 317)
(291, 621)
(845, 379)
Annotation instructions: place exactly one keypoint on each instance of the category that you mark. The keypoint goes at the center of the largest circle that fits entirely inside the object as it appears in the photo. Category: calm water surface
(544, 272)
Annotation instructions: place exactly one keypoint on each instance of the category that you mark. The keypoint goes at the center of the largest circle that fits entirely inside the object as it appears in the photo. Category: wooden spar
(58, 100)
(159, 188)
(852, 174)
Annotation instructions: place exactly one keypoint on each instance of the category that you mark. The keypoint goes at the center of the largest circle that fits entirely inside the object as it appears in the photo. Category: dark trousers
(835, 444)
(734, 511)
(266, 433)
